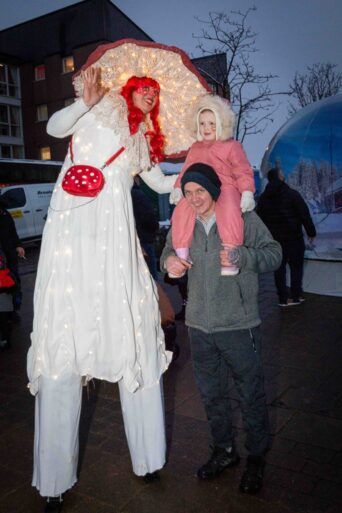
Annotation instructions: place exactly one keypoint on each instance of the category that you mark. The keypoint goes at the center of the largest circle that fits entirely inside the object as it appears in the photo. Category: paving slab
(301, 354)
(315, 430)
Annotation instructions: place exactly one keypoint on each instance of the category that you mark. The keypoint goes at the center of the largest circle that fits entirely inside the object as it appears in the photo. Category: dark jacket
(146, 219)
(220, 303)
(9, 239)
(284, 212)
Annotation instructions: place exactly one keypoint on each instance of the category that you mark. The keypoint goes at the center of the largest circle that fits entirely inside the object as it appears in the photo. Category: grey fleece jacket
(224, 303)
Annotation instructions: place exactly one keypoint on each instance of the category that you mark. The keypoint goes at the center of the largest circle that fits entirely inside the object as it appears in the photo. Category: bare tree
(235, 76)
(321, 81)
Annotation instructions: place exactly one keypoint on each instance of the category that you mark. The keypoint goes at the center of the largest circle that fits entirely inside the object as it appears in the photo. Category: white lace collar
(112, 112)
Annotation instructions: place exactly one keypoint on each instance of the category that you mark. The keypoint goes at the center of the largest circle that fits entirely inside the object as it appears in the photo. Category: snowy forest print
(320, 184)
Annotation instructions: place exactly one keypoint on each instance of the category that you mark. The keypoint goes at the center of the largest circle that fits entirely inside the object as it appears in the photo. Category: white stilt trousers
(57, 415)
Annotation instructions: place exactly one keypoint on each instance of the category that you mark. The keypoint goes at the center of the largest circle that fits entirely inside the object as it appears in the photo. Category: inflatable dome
(308, 149)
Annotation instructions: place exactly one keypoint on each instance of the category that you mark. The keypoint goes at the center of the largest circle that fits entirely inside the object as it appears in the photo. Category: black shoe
(53, 504)
(251, 481)
(150, 477)
(220, 459)
(290, 302)
(301, 299)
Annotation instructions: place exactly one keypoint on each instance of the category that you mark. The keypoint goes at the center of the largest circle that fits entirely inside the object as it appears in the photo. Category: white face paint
(145, 99)
(207, 125)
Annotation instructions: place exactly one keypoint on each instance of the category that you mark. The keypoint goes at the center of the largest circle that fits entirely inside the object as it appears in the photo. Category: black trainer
(53, 504)
(151, 477)
(251, 481)
(290, 302)
(220, 459)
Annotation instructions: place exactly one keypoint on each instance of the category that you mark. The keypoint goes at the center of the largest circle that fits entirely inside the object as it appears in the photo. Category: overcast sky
(292, 34)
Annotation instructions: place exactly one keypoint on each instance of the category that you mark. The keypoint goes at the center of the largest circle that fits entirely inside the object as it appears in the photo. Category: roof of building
(213, 67)
(76, 25)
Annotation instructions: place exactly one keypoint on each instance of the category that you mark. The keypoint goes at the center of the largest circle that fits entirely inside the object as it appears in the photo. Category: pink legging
(228, 219)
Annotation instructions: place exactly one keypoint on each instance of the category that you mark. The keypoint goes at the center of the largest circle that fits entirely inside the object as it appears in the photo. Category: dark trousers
(17, 294)
(214, 356)
(151, 258)
(293, 254)
(5, 327)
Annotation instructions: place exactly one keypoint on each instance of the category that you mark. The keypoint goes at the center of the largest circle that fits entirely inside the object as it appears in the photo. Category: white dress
(95, 304)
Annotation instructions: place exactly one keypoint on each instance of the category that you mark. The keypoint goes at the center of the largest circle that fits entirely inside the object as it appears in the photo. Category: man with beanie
(224, 325)
(284, 212)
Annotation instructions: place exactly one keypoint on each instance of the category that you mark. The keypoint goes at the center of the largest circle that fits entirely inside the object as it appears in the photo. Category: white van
(28, 205)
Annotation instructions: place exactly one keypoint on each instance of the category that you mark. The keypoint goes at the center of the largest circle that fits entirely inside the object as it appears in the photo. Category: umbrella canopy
(181, 85)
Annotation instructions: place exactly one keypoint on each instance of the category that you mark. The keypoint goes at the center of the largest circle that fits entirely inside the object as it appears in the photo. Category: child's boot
(182, 253)
(232, 269)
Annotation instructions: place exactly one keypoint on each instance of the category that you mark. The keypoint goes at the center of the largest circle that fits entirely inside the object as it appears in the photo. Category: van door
(40, 196)
(19, 206)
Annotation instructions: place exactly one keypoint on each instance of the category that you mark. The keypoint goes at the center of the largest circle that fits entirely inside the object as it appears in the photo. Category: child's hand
(247, 201)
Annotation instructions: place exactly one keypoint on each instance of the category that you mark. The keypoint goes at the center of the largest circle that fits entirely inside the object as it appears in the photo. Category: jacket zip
(242, 300)
(252, 339)
(206, 275)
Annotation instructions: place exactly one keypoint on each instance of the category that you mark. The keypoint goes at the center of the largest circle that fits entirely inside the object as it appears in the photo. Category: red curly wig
(135, 116)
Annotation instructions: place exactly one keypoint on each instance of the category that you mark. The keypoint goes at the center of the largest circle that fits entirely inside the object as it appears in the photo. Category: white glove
(247, 201)
(175, 196)
(158, 182)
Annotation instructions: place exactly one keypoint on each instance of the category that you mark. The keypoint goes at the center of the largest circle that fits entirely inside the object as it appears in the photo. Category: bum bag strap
(107, 163)
(71, 151)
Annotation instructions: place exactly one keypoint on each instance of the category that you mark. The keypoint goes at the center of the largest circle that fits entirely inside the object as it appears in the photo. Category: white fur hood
(225, 117)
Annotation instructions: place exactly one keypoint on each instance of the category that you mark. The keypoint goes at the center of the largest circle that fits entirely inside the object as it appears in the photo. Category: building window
(39, 72)
(68, 64)
(9, 151)
(18, 152)
(42, 112)
(68, 101)
(9, 81)
(4, 120)
(5, 151)
(45, 153)
(10, 120)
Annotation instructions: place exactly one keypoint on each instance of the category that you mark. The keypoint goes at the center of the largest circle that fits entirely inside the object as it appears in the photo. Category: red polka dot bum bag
(85, 180)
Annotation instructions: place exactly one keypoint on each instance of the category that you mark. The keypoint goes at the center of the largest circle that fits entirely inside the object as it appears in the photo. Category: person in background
(13, 249)
(285, 213)
(224, 325)
(7, 285)
(147, 225)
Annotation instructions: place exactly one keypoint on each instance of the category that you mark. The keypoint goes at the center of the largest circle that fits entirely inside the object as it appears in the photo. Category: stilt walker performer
(95, 304)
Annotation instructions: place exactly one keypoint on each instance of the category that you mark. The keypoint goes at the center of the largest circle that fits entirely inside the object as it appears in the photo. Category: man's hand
(20, 252)
(176, 267)
(92, 92)
(247, 201)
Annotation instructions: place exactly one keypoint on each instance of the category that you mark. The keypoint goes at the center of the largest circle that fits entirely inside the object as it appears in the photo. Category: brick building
(45, 52)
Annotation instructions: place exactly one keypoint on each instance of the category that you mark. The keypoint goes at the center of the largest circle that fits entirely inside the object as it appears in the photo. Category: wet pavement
(302, 361)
